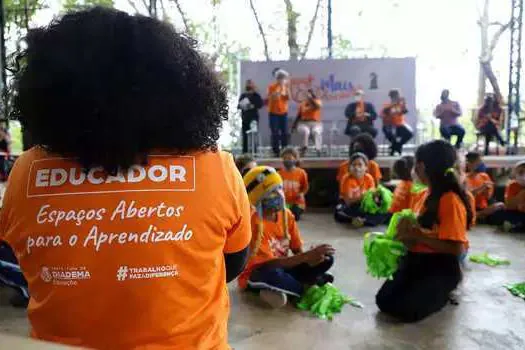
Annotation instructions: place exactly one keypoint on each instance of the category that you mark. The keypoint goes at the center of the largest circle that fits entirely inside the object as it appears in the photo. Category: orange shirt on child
(309, 112)
(452, 222)
(352, 188)
(133, 260)
(277, 105)
(272, 244)
(476, 180)
(512, 189)
(402, 196)
(373, 169)
(295, 183)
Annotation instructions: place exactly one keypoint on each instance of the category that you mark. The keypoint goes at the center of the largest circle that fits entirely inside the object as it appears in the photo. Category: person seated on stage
(490, 120)
(278, 97)
(396, 130)
(481, 186)
(363, 143)
(512, 216)
(308, 122)
(430, 271)
(249, 104)
(245, 163)
(361, 116)
(448, 112)
(403, 193)
(278, 267)
(295, 182)
(351, 190)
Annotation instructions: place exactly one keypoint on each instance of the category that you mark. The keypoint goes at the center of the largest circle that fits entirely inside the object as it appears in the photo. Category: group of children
(448, 193)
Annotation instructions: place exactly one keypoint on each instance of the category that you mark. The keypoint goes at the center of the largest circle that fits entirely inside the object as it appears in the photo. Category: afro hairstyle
(108, 88)
(367, 145)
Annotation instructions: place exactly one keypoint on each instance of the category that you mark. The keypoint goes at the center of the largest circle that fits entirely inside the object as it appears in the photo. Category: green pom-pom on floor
(486, 259)
(517, 289)
(326, 301)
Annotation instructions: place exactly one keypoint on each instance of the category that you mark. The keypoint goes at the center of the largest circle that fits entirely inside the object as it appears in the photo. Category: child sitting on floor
(402, 194)
(295, 182)
(479, 183)
(431, 269)
(278, 268)
(363, 143)
(352, 188)
(512, 216)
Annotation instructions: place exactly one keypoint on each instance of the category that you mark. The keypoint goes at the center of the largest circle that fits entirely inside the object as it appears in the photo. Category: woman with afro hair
(110, 213)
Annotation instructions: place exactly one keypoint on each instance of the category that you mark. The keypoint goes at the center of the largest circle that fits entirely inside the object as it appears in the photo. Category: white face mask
(358, 98)
(520, 179)
(413, 173)
(358, 172)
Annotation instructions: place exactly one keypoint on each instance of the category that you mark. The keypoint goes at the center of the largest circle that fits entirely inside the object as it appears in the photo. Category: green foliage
(342, 47)
(18, 13)
(15, 130)
(70, 5)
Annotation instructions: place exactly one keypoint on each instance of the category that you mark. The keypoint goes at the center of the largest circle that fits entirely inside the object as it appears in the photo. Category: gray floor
(488, 317)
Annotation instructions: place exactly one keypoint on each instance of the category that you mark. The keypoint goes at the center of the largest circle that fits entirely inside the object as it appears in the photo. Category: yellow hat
(261, 181)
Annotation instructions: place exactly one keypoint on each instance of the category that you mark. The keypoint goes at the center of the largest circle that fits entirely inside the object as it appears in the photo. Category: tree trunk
(291, 18)
(311, 31)
(261, 31)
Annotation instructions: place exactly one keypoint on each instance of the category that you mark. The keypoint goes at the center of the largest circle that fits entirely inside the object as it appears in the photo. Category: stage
(385, 162)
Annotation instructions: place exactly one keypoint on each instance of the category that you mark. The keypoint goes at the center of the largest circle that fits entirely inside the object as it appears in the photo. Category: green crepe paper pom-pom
(377, 201)
(417, 187)
(323, 302)
(517, 289)
(382, 254)
(488, 260)
(392, 226)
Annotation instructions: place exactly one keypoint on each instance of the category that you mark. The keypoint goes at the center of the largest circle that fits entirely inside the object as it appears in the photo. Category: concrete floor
(487, 316)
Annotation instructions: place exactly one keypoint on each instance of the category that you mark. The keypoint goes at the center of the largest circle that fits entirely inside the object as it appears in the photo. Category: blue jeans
(289, 281)
(279, 131)
(448, 131)
(10, 273)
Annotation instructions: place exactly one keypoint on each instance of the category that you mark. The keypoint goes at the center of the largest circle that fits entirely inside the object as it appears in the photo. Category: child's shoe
(324, 279)
(358, 222)
(273, 299)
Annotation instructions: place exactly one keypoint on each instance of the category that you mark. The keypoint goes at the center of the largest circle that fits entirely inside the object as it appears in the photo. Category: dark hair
(358, 155)
(243, 160)
(108, 88)
(311, 91)
(290, 150)
(441, 180)
(369, 147)
(403, 168)
(394, 92)
(473, 157)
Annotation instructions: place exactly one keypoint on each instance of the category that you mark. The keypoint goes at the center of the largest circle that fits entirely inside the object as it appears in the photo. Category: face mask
(358, 172)
(289, 164)
(520, 179)
(273, 203)
(413, 173)
(358, 98)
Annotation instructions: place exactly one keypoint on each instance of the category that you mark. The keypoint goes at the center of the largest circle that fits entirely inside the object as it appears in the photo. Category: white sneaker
(273, 299)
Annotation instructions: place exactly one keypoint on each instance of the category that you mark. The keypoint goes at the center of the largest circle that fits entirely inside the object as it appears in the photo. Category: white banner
(335, 82)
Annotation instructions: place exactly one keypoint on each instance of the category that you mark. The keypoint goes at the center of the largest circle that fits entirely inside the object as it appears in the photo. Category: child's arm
(411, 234)
(304, 184)
(312, 257)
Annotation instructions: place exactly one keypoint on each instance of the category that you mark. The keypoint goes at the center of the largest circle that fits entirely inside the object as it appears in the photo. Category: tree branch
(497, 36)
(261, 31)
(132, 4)
(183, 16)
(311, 32)
(291, 18)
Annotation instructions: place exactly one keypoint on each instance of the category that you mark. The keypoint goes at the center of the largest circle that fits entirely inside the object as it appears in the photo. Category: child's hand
(405, 230)
(318, 255)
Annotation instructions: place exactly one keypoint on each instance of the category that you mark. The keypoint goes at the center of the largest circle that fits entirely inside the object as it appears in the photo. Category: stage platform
(492, 162)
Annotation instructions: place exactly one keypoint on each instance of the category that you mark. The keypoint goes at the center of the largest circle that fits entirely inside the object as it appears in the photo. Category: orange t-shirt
(272, 244)
(392, 114)
(417, 200)
(352, 188)
(452, 222)
(474, 181)
(402, 196)
(512, 190)
(310, 113)
(277, 105)
(133, 260)
(373, 169)
(360, 112)
(295, 183)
